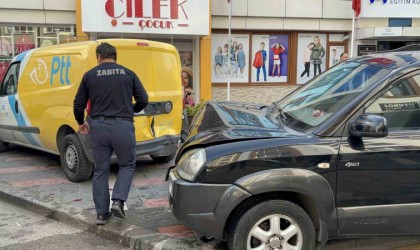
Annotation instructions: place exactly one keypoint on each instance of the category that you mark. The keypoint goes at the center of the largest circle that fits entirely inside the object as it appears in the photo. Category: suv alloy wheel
(273, 224)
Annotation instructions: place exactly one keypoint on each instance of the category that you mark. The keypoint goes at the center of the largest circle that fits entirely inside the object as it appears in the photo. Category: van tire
(163, 159)
(73, 159)
(292, 215)
(3, 146)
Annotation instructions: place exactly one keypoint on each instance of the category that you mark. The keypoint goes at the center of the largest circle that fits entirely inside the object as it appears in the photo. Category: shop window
(400, 22)
(15, 39)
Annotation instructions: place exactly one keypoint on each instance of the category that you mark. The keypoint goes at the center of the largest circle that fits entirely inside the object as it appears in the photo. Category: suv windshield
(316, 101)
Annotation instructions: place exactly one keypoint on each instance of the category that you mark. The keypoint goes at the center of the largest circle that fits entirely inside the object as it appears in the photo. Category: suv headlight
(191, 163)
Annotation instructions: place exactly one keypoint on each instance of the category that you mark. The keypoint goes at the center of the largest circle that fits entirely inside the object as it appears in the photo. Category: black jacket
(110, 87)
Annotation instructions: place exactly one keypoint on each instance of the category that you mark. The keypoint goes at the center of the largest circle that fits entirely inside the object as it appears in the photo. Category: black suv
(337, 158)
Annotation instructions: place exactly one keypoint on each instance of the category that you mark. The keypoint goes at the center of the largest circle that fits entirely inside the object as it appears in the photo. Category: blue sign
(372, 1)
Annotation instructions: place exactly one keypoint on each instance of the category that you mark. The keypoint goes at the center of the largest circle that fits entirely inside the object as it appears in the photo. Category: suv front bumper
(203, 207)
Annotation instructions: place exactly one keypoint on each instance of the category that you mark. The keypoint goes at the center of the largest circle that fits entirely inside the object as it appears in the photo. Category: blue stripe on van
(21, 56)
(21, 121)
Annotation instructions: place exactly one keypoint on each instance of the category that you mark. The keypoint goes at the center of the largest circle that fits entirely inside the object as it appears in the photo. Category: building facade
(276, 45)
(26, 25)
(382, 25)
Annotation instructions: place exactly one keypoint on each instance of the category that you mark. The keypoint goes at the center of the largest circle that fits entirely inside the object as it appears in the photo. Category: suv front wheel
(273, 224)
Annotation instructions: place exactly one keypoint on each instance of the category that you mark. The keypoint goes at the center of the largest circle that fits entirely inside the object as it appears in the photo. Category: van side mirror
(369, 125)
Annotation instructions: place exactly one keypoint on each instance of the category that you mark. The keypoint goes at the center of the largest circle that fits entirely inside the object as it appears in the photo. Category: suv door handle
(16, 106)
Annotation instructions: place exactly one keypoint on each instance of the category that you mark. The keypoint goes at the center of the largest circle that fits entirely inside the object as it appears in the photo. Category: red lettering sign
(120, 9)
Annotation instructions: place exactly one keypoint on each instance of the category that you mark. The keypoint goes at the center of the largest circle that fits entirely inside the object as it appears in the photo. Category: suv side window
(400, 105)
(10, 81)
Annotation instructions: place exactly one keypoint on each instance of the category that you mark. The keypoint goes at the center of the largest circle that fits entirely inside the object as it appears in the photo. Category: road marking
(24, 169)
(148, 182)
(154, 203)
(40, 182)
(179, 231)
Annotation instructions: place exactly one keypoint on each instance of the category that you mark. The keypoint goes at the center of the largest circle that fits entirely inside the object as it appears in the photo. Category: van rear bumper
(162, 146)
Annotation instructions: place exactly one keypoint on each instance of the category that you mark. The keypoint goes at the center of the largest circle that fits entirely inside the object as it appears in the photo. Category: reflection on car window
(400, 105)
(10, 82)
(239, 117)
(315, 102)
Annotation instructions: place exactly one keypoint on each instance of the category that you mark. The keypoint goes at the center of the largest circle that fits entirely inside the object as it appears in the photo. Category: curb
(143, 239)
(115, 230)
(111, 231)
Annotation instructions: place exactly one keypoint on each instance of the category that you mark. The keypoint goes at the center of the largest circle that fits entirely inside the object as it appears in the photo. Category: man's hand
(84, 128)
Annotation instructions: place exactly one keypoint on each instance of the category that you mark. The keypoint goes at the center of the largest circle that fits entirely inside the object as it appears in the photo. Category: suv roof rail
(411, 47)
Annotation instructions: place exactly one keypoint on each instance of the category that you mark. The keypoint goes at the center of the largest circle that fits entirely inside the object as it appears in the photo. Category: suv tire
(295, 227)
(73, 159)
(3, 146)
(163, 159)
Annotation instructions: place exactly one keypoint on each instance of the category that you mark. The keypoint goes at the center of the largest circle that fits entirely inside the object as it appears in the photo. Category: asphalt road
(21, 229)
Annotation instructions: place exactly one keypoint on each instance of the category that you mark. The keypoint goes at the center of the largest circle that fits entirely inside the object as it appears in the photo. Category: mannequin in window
(11, 85)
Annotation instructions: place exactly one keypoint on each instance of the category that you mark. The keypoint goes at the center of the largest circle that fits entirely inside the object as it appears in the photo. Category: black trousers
(317, 66)
(306, 71)
(110, 136)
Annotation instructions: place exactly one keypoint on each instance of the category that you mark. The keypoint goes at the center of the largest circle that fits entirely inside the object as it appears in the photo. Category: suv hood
(223, 122)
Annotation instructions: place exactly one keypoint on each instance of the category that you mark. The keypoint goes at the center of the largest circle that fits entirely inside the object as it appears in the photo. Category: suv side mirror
(369, 125)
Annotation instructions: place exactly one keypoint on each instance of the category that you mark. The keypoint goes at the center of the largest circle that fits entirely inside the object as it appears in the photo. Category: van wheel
(3, 146)
(74, 161)
(163, 159)
(274, 224)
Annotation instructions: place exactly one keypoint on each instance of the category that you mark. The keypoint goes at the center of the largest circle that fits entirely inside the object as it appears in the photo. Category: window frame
(395, 22)
(386, 89)
(7, 76)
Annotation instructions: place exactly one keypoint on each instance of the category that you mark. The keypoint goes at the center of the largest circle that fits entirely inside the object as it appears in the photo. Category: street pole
(229, 50)
(353, 34)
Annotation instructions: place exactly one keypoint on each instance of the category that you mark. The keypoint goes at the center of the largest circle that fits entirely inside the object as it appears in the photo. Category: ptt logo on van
(61, 66)
(39, 74)
(58, 67)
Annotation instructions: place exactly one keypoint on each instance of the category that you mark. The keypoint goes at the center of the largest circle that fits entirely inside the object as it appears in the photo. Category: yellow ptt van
(37, 93)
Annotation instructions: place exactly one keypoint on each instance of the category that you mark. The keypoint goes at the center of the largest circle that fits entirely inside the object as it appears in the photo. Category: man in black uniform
(110, 87)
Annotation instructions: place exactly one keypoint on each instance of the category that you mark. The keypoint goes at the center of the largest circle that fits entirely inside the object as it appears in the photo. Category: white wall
(22, 4)
(266, 8)
(338, 9)
(304, 8)
(38, 11)
(315, 15)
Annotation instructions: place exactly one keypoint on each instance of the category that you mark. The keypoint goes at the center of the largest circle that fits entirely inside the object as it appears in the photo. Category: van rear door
(137, 58)
(168, 92)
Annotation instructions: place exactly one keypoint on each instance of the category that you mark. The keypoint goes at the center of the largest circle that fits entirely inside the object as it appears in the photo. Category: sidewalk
(33, 180)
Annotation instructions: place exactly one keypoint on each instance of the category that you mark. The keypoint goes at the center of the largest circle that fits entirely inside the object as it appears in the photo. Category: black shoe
(102, 219)
(117, 209)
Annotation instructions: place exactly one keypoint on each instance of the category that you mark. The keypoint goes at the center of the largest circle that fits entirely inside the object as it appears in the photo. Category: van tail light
(142, 44)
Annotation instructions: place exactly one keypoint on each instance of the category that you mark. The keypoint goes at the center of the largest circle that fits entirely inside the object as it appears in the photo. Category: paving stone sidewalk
(35, 181)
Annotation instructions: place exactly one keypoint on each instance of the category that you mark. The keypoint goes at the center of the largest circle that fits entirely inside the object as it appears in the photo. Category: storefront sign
(391, 8)
(184, 17)
(389, 31)
(399, 106)
(363, 50)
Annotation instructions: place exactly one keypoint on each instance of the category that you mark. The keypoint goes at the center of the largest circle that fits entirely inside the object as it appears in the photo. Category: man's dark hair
(342, 54)
(106, 51)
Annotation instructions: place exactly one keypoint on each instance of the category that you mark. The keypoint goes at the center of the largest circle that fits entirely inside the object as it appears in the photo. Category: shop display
(270, 58)
(238, 52)
(311, 56)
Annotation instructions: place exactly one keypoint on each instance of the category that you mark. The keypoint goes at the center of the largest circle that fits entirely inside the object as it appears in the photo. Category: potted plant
(191, 111)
